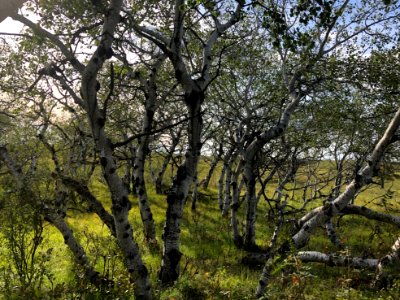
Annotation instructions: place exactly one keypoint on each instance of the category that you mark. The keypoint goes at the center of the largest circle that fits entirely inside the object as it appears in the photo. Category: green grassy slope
(211, 266)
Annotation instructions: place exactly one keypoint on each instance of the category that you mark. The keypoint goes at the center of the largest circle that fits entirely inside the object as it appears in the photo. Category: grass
(211, 265)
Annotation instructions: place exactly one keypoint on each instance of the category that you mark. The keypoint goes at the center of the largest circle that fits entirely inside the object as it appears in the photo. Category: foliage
(286, 99)
(28, 271)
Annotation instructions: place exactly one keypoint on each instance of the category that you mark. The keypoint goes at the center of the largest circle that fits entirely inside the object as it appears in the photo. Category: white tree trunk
(322, 214)
(392, 258)
(176, 198)
(337, 260)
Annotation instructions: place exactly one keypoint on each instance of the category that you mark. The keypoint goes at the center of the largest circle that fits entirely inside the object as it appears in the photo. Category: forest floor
(211, 266)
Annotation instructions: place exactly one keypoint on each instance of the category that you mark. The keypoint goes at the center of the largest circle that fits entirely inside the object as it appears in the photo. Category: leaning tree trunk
(393, 257)
(55, 218)
(94, 204)
(119, 193)
(76, 249)
(321, 215)
(171, 256)
(97, 119)
(362, 178)
(150, 91)
(337, 260)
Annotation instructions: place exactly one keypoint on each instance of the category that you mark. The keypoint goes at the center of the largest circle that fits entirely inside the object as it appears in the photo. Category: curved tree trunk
(169, 271)
(139, 185)
(119, 193)
(322, 214)
(393, 257)
(56, 219)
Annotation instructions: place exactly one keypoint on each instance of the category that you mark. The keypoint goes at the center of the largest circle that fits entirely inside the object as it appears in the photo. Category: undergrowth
(211, 266)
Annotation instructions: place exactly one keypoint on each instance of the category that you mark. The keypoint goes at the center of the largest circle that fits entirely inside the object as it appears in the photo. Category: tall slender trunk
(140, 184)
(169, 271)
(131, 164)
(228, 195)
(120, 210)
(230, 177)
(118, 190)
(194, 192)
(128, 176)
(250, 175)
(237, 238)
(221, 187)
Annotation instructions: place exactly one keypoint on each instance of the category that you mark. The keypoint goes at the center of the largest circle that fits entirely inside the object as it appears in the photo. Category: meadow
(212, 267)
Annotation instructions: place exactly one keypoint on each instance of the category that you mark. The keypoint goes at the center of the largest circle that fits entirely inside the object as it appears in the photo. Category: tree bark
(8, 7)
(393, 257)
(228, 192)
(371, 214)
(94, 205)
(337, 260)
(139, 185)
(237, 237)
(364, 176)
(56, 219)
(75, 247)
(194, 192)
(119, 193)
(249, 173)
(169, 271)
(322, 214)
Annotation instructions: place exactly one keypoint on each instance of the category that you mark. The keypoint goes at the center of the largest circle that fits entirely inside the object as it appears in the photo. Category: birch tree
(87, 100)
(194, 86)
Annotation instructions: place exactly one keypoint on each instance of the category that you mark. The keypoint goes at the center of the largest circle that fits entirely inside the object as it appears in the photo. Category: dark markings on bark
(103, 161)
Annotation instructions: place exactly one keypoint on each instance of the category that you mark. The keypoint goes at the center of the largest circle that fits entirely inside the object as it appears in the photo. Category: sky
(10, 26)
